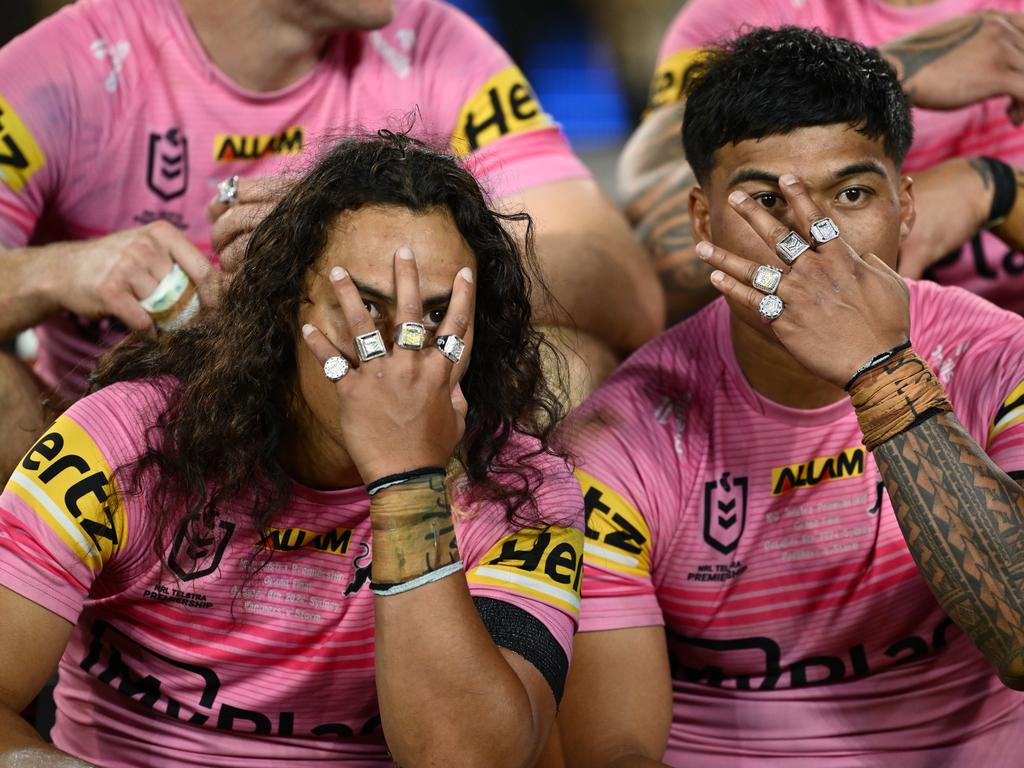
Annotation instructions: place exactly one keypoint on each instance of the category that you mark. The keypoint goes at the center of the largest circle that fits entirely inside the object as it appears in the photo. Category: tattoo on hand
(963, 521)
(913, 54)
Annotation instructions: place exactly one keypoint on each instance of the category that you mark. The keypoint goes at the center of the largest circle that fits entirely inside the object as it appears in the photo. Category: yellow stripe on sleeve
(1009, 413)
(617, 535)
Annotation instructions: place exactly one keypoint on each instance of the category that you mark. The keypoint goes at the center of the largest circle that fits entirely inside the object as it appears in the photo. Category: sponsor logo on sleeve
(503, 105)
(617, 536)
(1009, 413)
(167, 164)
(66, 480)
(669, 81)
(20, 155)
(542, 564)
(823, 469)
(725, 512)
(230, 147)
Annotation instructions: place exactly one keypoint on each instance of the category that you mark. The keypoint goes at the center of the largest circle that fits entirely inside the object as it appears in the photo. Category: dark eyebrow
(430, 301)
(853, 169)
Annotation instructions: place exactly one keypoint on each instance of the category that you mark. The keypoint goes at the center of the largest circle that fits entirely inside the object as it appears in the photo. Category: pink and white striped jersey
(986, 265)
(112, 115)
(195, 660)
(799, 629)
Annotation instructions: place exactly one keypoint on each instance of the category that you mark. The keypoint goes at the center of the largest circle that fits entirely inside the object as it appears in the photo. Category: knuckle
(461, 322)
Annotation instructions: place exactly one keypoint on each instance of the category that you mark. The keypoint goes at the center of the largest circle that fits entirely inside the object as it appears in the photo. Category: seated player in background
(961, 63)
(119, 120)
(750, 598)
(193, 541)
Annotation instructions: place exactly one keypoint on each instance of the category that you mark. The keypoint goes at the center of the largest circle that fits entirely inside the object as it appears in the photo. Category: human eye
(433, 318)
(372, 309)
(768, 200)
(854, 195)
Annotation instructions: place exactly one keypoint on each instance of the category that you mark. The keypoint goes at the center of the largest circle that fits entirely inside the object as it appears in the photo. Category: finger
(768, 228)
(460, 309)
(231, 231)
(409, 307)
(259, 190)
(806, 212)
(354, 316)
(321, 346)
(741, 293)
(127, 309)
(142, 283)
(735, 266)
(193, 262)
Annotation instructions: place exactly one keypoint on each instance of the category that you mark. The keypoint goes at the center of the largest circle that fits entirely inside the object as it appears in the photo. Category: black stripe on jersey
(1005, 408)
(1017, 475)
(513, 628)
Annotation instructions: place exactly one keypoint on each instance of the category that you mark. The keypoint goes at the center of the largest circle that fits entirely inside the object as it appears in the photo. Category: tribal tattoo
(659, 182)
(912, 54)
(963, 520)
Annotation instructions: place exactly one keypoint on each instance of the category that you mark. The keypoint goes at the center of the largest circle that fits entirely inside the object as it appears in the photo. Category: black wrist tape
(1005, 182)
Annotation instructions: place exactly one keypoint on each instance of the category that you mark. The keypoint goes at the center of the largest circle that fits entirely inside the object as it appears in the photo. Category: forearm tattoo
(912, 54)
(659, 209)
(963, 520)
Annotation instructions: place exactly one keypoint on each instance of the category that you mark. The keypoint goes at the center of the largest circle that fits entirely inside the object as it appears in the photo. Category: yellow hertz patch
(227, 148)
(20, 155)
(334, 542)
(670, 77)
(1010, 412)
(67, 481)
(504, 104)
(542, 564)
(617, 536)
(849, 463)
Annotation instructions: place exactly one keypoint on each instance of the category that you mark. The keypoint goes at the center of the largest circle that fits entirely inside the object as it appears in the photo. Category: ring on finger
(766, 278)
(335, 367)
(823, 231)
(370, 346)
(771, 307)
(410, 336)
(227, 190)
(791, 246)
(451, 346)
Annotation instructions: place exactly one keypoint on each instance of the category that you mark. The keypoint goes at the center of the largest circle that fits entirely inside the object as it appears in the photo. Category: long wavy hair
(230, 378)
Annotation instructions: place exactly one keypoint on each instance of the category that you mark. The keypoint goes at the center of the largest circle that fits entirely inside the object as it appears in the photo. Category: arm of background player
(618, 700)
(32, 640)
(963, 519)
(654, 183)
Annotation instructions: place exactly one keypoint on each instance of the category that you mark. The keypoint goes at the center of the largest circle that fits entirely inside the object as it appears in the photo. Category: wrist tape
(1005, 193)
(895, 396)
(412, 529)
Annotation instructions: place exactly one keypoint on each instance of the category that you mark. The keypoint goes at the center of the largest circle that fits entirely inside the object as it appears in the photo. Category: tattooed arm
(963, 519)
(655, 182)
(962, 61)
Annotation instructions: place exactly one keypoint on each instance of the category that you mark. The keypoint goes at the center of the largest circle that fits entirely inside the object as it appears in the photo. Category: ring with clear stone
(227, 190)
(791, 246)
(335, 367)
(823, 231)
(771, 307)
(451, 346)
(766, 278)
(410, 336)
(370, 346)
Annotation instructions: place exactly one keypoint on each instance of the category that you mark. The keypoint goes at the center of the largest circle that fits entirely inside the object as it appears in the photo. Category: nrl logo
(725, 512)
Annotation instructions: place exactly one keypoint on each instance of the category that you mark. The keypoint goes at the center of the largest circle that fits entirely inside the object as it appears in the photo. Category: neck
(262, 46)
(775, 374)
(312, 458)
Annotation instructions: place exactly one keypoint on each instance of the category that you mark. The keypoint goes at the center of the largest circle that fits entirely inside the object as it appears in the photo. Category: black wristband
(1005, 195)
(874, 362)
(402, 477)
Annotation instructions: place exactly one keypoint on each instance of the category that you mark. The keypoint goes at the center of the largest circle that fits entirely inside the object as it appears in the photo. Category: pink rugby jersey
(112, 115)
(197, 661)
(986, 265)
(799, 629)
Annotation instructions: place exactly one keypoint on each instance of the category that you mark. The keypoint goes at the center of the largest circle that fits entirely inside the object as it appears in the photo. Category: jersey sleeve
(699, 24)
(48, 78)
(487, 108)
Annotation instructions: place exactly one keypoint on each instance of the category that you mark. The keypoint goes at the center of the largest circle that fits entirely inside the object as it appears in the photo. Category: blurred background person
(961, 64)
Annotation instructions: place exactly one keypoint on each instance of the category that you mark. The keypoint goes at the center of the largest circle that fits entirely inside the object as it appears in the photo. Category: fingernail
(307, 329)
(738, 197)
(705, 249)
(717, 277)
(788, 179)
(405, 253)
(466, 274)
(337, 273)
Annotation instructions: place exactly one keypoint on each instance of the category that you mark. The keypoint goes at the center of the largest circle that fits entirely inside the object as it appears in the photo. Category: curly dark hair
(768, 82)
(231, 376)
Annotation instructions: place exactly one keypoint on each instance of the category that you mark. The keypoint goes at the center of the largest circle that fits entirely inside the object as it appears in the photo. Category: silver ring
(227, 190)
(410, 336)
(771, 307)
(369, 346)
(335, 367)
(824, 230)
(451, 346)
(766, 278)
(791, 246)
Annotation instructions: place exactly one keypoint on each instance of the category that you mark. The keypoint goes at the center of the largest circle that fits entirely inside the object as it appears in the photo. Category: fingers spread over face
(735, 266)
(457, 318)
(336, 365)
(410, 334)
(768, 228)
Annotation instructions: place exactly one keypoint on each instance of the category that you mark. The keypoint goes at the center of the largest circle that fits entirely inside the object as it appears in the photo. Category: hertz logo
(669, 82)
(849, 463)
(289, 539)
(227, 148)
(20, 155)
(504, 104)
